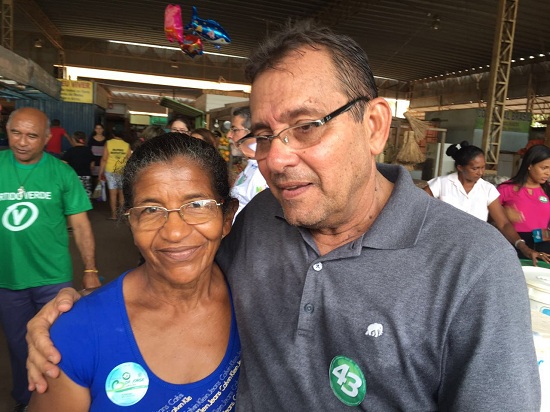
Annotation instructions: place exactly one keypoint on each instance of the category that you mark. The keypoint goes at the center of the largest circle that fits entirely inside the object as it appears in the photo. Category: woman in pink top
(525, 198)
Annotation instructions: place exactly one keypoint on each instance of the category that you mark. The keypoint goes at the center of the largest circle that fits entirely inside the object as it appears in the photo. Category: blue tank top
(99, 352)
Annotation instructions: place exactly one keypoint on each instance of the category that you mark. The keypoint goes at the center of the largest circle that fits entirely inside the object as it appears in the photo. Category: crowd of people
(341, 285)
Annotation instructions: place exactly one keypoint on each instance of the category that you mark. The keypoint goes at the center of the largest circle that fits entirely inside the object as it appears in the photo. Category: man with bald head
(38, 194)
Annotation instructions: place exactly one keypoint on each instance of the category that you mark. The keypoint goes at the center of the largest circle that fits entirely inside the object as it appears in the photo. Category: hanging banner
(518, 122)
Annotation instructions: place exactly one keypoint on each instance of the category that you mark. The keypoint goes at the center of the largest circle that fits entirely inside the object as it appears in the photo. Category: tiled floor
(115, 253)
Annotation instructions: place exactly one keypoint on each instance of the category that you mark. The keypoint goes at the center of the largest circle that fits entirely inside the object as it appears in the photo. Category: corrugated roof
(406, 40)
(399, 36)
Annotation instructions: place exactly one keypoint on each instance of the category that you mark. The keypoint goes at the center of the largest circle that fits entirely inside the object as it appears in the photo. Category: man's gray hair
(243, 112)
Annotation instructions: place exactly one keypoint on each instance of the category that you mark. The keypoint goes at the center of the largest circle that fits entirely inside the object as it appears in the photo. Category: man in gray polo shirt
(352, 287)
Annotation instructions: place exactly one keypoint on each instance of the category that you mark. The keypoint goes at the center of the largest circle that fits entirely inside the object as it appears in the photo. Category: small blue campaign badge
(127, 384)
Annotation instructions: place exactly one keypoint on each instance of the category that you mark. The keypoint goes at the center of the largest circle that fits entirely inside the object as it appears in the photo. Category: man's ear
(47, 139)
(377, 119)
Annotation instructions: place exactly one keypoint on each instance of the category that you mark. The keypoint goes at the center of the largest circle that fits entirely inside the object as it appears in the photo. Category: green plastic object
(529, 262)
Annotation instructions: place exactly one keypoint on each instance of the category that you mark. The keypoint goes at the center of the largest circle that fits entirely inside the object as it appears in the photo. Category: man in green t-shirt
(38, 194)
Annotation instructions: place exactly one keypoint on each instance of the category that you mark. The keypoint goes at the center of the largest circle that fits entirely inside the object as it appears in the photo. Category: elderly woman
(162, 336)
(466, 190)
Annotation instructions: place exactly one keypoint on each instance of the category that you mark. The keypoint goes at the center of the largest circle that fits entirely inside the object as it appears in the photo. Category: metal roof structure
(406, 40)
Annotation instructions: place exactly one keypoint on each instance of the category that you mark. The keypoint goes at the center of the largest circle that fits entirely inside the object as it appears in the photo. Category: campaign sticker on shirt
(543, 199)
(127, 384)
(347, 381)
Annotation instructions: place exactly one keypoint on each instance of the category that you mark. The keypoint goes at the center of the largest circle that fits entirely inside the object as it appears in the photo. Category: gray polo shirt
(428, 310)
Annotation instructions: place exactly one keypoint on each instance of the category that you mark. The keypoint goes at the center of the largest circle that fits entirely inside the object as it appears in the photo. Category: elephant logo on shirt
(375, 329)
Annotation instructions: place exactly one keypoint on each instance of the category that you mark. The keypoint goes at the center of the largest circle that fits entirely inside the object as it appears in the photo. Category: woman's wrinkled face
(178, 252)
(474, 170)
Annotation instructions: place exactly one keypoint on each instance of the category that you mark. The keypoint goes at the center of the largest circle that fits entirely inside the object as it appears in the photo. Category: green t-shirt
(34, 243)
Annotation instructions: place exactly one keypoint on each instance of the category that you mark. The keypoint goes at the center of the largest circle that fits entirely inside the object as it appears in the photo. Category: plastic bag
(96, 194)
(100, 192)
(103, 197)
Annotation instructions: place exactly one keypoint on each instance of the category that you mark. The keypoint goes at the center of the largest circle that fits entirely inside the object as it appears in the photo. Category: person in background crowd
(466, 190)
(38, 195)
(178, 125)
(112, 163)
(525, 198)
(171, 319)
(206, 135)
(250, 181)
(81, 159)
(530, 143)
(54, 145)
(148, 133)
(97, 145)
(337, 308)
(217, 135)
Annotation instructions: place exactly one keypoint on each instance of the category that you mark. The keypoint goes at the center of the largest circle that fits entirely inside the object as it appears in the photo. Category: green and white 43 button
(347, 381)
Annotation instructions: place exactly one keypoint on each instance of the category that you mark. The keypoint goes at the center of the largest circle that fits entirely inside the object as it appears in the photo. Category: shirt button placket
(309, 307)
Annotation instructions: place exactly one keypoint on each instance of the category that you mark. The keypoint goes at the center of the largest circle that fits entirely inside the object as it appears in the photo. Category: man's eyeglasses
(236, 129)
(154, 217)
(300, 136)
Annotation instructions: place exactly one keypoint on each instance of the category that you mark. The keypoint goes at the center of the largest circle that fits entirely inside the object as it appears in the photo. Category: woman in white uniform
(466, 190)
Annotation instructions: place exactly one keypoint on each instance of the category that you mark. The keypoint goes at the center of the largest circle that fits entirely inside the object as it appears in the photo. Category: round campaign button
(127, 384)
(347, 381)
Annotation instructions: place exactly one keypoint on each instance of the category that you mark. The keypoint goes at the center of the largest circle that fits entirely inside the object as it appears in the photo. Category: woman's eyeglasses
(154, 217)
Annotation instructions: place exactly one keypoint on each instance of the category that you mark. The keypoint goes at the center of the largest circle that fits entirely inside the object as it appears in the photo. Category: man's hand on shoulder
(43, 356)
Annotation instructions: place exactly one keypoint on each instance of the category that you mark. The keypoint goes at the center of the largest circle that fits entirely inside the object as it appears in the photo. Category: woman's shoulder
(508, 187)
(104, 297)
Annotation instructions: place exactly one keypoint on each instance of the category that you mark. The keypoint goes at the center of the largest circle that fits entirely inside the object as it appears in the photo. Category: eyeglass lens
(300, 136)
(154, 217)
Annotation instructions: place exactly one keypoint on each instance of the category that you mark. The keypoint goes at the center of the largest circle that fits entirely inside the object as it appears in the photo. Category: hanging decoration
(209, 30)
(410, 154)
(191, 45)
(173, 26)
(195, 33)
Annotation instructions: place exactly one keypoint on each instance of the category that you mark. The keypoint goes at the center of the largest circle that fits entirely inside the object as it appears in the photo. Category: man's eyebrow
(302, 110)
(260, 126)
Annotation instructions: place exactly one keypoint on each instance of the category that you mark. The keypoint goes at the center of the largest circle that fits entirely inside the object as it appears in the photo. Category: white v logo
(19, 215)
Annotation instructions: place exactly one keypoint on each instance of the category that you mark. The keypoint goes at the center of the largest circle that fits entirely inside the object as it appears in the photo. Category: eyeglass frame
(316, 123)
(236, 129)
(179, 209)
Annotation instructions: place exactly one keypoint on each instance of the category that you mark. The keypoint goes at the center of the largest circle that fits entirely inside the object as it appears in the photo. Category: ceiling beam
(42, 21)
